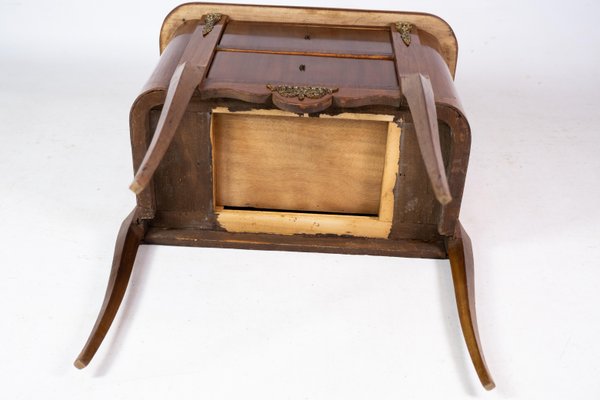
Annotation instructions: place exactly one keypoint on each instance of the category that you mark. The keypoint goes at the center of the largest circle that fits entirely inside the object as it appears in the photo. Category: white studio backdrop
(233, 324)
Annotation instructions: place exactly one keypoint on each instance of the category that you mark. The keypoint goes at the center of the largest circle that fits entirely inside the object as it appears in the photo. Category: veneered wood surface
(331, 72)
(460, 253)
(306, 39)
(188, 74)
(419, 95)
(295, 163)
(317, 16)
(128, 240)
(421, 57)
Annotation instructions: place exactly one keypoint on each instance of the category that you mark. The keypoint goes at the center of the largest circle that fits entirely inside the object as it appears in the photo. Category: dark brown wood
(415, 202)
(192, 68)
(256, 93)
(368, 69)
(306, 39)
(309, 53)
(304, 243)
(419, 94)
(185, 173)
(129, 238)
(460, 253)
(456, 166)
(284, 69)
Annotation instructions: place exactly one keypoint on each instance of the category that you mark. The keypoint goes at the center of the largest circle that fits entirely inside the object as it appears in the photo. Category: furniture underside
(297, 129)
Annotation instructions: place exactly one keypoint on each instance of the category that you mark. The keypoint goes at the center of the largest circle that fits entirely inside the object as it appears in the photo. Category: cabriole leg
(460, 254)
(128, 240)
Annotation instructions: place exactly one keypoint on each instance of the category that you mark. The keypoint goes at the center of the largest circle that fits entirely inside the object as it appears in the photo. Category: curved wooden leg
(128, 240)
(460, 254)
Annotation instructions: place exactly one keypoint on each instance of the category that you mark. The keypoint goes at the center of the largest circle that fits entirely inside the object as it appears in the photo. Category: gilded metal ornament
(210, 20)
(312, 92)
(404, 28)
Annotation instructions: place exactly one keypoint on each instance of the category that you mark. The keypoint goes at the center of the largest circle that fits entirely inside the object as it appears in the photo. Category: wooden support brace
(188, 75)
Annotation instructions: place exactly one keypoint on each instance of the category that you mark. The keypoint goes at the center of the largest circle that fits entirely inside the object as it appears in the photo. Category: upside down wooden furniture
(300, 129)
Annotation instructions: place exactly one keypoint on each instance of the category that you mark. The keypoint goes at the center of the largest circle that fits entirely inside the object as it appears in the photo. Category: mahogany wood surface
(436, 26)
(266, 68)
(128, 240)
(192, 68)
(306, 38)
(375, 78)
(460, 253)
(419, 96)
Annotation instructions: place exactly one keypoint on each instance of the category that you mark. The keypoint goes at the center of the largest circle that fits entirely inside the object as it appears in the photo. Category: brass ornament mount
(210, 20)
(302, 92)
(404, 28)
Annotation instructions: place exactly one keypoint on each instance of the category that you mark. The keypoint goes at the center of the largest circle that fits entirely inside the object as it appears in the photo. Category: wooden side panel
(302, 70)
(306, 38)
(183, 180)
(297, 163)
(415, 200)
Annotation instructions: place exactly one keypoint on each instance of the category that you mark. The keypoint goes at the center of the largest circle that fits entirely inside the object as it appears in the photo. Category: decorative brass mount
(210, 20)
(404, 28)
(312, 92)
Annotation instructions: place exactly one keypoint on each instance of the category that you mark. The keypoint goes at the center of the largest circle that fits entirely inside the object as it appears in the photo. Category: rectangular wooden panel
(306, 38)
(325, 165)
(302, 70)
(183, 180)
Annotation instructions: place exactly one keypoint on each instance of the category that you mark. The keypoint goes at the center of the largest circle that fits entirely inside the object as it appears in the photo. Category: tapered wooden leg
(128, 240)
(460, 254)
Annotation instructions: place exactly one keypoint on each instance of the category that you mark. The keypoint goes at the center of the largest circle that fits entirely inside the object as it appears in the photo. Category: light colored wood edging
(303, 221)
(317, 16)
(283, 223)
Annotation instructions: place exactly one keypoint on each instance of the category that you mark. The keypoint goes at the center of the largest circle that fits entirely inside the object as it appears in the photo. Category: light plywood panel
(330, 165)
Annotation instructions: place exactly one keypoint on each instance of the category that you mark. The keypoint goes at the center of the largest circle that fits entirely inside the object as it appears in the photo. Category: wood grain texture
(434, 25)
(415, 202)
(320, 243)
(293, 163)
(257, 93)
(421, 57)
(188, 74)
(297, 223)
(305, 39)
(458, 161)
(460, 253)
(419, 95)
(129, 238)
(263, 68)
(185, 174)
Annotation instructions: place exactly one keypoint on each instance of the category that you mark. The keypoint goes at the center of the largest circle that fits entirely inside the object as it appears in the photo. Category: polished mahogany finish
(244, 97)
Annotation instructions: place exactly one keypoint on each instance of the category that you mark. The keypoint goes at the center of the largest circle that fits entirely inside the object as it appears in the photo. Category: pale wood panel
(318, 16)
(390, 172)
(299, 163)
(282, 223)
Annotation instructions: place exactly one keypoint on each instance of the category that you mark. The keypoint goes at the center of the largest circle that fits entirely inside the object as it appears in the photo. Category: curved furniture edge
(460, 253)
(313, 15)
(129, 238)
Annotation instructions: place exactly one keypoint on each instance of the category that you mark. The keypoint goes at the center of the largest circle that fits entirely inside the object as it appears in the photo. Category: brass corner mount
(404, 28)
(210, 20)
